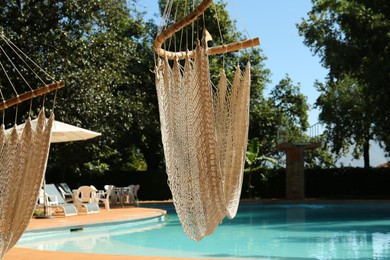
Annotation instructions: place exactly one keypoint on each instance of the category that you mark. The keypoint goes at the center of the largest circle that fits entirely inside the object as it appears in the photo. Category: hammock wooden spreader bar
(212, 50)
(31, 94)
(167, 33)
(234, 46)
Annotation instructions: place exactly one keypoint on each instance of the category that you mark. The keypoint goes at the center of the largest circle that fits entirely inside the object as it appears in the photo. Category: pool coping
(125, 214)
(96, 224)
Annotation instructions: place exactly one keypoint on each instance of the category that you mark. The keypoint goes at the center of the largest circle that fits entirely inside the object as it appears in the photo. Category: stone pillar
(295, 177)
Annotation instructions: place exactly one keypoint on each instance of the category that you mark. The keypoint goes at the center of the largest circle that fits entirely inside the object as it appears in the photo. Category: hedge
(319, 183)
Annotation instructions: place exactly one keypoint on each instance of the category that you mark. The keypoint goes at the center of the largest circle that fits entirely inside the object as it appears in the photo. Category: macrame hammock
(204, 129)
(23, 154)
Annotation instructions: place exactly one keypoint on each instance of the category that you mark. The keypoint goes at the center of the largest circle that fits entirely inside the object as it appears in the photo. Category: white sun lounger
(56, 202)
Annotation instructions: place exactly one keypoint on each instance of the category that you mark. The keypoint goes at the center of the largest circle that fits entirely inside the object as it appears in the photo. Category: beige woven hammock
(23, 154)
(204, 131)
(23, 158)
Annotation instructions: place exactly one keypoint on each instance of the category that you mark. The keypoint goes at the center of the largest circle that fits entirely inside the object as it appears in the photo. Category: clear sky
(274, 22)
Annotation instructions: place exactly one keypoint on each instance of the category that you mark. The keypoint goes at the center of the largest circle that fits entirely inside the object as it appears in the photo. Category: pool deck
(115, 214)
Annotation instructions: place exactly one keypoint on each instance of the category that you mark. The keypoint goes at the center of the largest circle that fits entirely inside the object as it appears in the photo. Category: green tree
(321, 157)
(101, 77)
(348, 115)
(96, 47)
(255, 161)
(291, 106)
(352, 39)
(264, 125)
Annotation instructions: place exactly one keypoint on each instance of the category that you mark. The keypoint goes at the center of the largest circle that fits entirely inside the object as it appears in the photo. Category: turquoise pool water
(282, 231)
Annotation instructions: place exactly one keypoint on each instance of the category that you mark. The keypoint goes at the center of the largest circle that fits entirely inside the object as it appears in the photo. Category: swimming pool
(260, 230)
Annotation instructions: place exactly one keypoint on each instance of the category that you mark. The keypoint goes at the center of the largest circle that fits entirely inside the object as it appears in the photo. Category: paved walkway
(116, 214)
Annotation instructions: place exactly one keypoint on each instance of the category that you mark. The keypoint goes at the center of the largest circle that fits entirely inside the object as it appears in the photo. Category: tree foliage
(102, 54)
(348, 117)
(291, 105)
(290, 108)
(352, 38)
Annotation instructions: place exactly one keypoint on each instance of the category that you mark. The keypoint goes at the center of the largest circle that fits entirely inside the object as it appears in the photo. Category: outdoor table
(122, 193)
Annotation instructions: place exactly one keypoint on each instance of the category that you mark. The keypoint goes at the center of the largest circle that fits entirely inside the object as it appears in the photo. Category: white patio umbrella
(62, 132)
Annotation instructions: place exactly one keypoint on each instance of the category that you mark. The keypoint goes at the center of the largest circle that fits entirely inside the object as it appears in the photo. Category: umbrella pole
(45, 213)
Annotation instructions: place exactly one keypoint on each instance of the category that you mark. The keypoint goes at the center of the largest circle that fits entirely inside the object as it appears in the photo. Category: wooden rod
(181, 55)
(31, 94)
(167, 33)
(234, 46)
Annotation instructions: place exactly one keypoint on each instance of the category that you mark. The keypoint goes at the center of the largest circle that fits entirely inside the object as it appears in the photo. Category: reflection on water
(262, 230)
(380, 244)
(87, 239)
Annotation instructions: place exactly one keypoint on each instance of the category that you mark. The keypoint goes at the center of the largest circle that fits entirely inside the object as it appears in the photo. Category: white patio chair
(112, 195)
(85, 197)
(104, 195)
(135, 192)
(131, 194)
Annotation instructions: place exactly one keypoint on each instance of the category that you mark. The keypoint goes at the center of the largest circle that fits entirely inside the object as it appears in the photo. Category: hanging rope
(171, 30)
(204, 130)
(32, 93)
